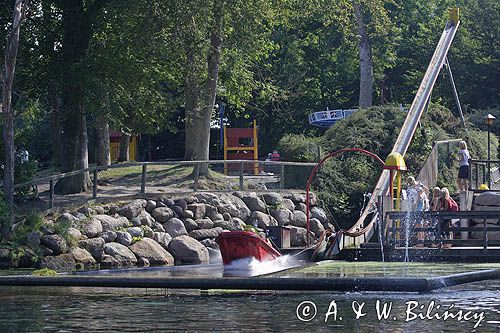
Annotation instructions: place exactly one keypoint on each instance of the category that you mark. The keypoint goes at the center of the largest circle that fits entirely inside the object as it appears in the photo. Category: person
(463, 171)
(436, 199)
(417, 194)
(449, 205)
(275, 156)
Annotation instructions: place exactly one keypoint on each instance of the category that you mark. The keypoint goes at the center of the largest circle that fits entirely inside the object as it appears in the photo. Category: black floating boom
(303, 284)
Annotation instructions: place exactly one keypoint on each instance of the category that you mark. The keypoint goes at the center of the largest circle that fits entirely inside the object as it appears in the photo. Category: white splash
(252, 267)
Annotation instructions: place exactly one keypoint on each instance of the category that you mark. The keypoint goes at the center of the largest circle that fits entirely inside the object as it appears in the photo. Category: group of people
(418, 197)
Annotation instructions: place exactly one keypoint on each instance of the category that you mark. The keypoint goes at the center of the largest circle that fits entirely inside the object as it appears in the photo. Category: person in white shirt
(463, 171)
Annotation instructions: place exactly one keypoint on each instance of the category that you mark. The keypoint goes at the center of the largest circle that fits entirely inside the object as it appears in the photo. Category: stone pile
(167, 231)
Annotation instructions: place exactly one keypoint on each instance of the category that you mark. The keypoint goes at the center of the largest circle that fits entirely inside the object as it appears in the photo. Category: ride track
(405, 135)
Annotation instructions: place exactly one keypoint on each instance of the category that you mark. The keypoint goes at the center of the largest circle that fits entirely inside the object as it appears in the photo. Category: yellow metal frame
(254, 148)
(454, 15)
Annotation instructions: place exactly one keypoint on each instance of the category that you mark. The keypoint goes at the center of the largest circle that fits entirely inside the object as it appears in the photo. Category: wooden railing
(396, 237)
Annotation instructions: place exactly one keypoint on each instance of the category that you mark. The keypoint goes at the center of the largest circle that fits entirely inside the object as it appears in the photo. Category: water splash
(253, 267)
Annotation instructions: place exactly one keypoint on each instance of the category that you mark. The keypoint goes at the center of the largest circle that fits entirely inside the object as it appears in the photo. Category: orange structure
(241, 144)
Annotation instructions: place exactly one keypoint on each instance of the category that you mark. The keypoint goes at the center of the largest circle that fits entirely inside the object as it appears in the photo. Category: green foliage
(32, 223)
(44, 272)
(4, 212)
(136, 239)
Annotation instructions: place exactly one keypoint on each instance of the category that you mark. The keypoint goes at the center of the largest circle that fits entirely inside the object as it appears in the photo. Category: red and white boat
(243, 244)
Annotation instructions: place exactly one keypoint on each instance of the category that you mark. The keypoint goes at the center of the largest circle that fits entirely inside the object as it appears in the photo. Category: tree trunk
(8, 125)
(102, 136)
(77, 31)
(198, 118)
(123, 152)
(55, 125)
(365, 60)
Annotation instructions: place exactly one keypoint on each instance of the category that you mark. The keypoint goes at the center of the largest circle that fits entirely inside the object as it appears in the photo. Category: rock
(487, 201)
(143, 262)
(261, 220)
(113, 210)
(83, 256)
(148, 232)
(91, 228)
(182, 203)
(205, 233)
(152, 251)
(299, 218)
(135, 231)
(175, 227)
(110, 223)
(48, 227)
(316, 227)
(109, 261)
(214, 255)
(226, 217)
(133, 209)
(198, 210)
(150, 205)
(160, 204)
(123, 238)
(120, 253)
(177, 210)
(169, 202)
(79, 216)
(63, 262)
(301, 206)
(46, 252)
(207, 242)
(205, 223)
(162, 238)
(190, 224)
(188, 250)
(162, 214)
(211, 212)
(146, 219)
(99, 210)
(109, 236)
(254, 203)
(67, 219)
(87, 211)
(158, 227)
(74, 234)
(233, 225)
(288, 204)
(135, 222)
(208, 198)
(283, 216)
(298, 236)
(56, 243)
(33, 239)
(94, 246)
(272, 199)
(191, 200)
(187, 214)
(234, 206)
(319, 214)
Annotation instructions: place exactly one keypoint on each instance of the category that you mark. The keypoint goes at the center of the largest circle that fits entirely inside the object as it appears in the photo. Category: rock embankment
(163, 231)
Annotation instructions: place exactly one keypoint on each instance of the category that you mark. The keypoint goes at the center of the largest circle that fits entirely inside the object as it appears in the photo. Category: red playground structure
(241, 144)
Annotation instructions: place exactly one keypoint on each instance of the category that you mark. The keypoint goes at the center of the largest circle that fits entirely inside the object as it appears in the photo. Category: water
(49, 309)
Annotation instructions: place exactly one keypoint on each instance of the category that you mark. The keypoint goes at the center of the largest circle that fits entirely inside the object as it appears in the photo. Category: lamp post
(488, 120)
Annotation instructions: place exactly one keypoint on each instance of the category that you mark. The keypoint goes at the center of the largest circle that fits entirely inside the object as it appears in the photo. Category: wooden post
(94, 185)
(463, 207)
(485, 234)
(242, 165)
(51, 194)
(196, 176)
(143, 178)
(282, 177)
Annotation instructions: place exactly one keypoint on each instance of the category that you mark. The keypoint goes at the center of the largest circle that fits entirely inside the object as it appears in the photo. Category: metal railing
(484, 172)
(435, 226)
(179, 176)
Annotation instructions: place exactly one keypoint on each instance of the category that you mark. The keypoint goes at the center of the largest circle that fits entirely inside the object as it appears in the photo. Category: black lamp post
(488, 120)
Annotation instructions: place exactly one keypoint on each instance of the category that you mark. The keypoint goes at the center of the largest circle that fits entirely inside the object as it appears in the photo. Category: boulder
(254, 203)
(147, 231)
(198, 210)
(67, 219)
(162, 238)
(261, 220)
(83, 256)
(272, 199)
(87, 211)
(211, 212)
(74, 233)
(109, 261)
(109, 236)
(205, 223)
(233, 225)
(94, 246)
(120, 253)
(160, 204)
(110, 223)
(63, 262)
(316, 227)
(175, 227)
(177, 210)
(190, 224)
(169, 202)
(207, 242)
(146, 219)
(288, 204)
(79, 216)
(208, 198)
(282, 215)
(158, 227)
(301, 206)
(188, 250)
(133, 209)
(234, 206)
(319, 214)
(299, 218)
(91, 228)
(135, 231)
(100, 210)
(162, 214)
(298, 236)
(205, 233)
(187, 214)
(150, 205)
(226, 217)
(152, 251)
(182, 203)
(136, 222)
(56, 243)
(124, 238)
(33, 239)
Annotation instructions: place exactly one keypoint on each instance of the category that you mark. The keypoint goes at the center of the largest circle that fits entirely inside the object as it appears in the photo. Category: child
(463, 171)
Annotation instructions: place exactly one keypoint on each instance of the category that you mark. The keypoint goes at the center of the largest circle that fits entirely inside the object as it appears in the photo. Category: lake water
(65, 309)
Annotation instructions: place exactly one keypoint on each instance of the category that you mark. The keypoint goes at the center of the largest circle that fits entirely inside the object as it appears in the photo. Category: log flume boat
(243, 244)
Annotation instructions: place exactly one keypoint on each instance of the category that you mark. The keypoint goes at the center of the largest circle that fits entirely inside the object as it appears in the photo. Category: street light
(488, 120)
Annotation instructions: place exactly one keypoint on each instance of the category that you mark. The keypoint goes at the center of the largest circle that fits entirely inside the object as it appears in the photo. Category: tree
(19, 14)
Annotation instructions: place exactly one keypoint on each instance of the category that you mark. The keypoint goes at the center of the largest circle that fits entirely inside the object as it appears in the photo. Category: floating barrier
(391, 284)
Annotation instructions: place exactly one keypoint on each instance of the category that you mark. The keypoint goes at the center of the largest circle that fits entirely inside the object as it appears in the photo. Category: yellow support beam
(454, 15)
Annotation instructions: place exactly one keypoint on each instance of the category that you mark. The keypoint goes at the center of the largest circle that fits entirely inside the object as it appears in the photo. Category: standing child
(463, 171)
